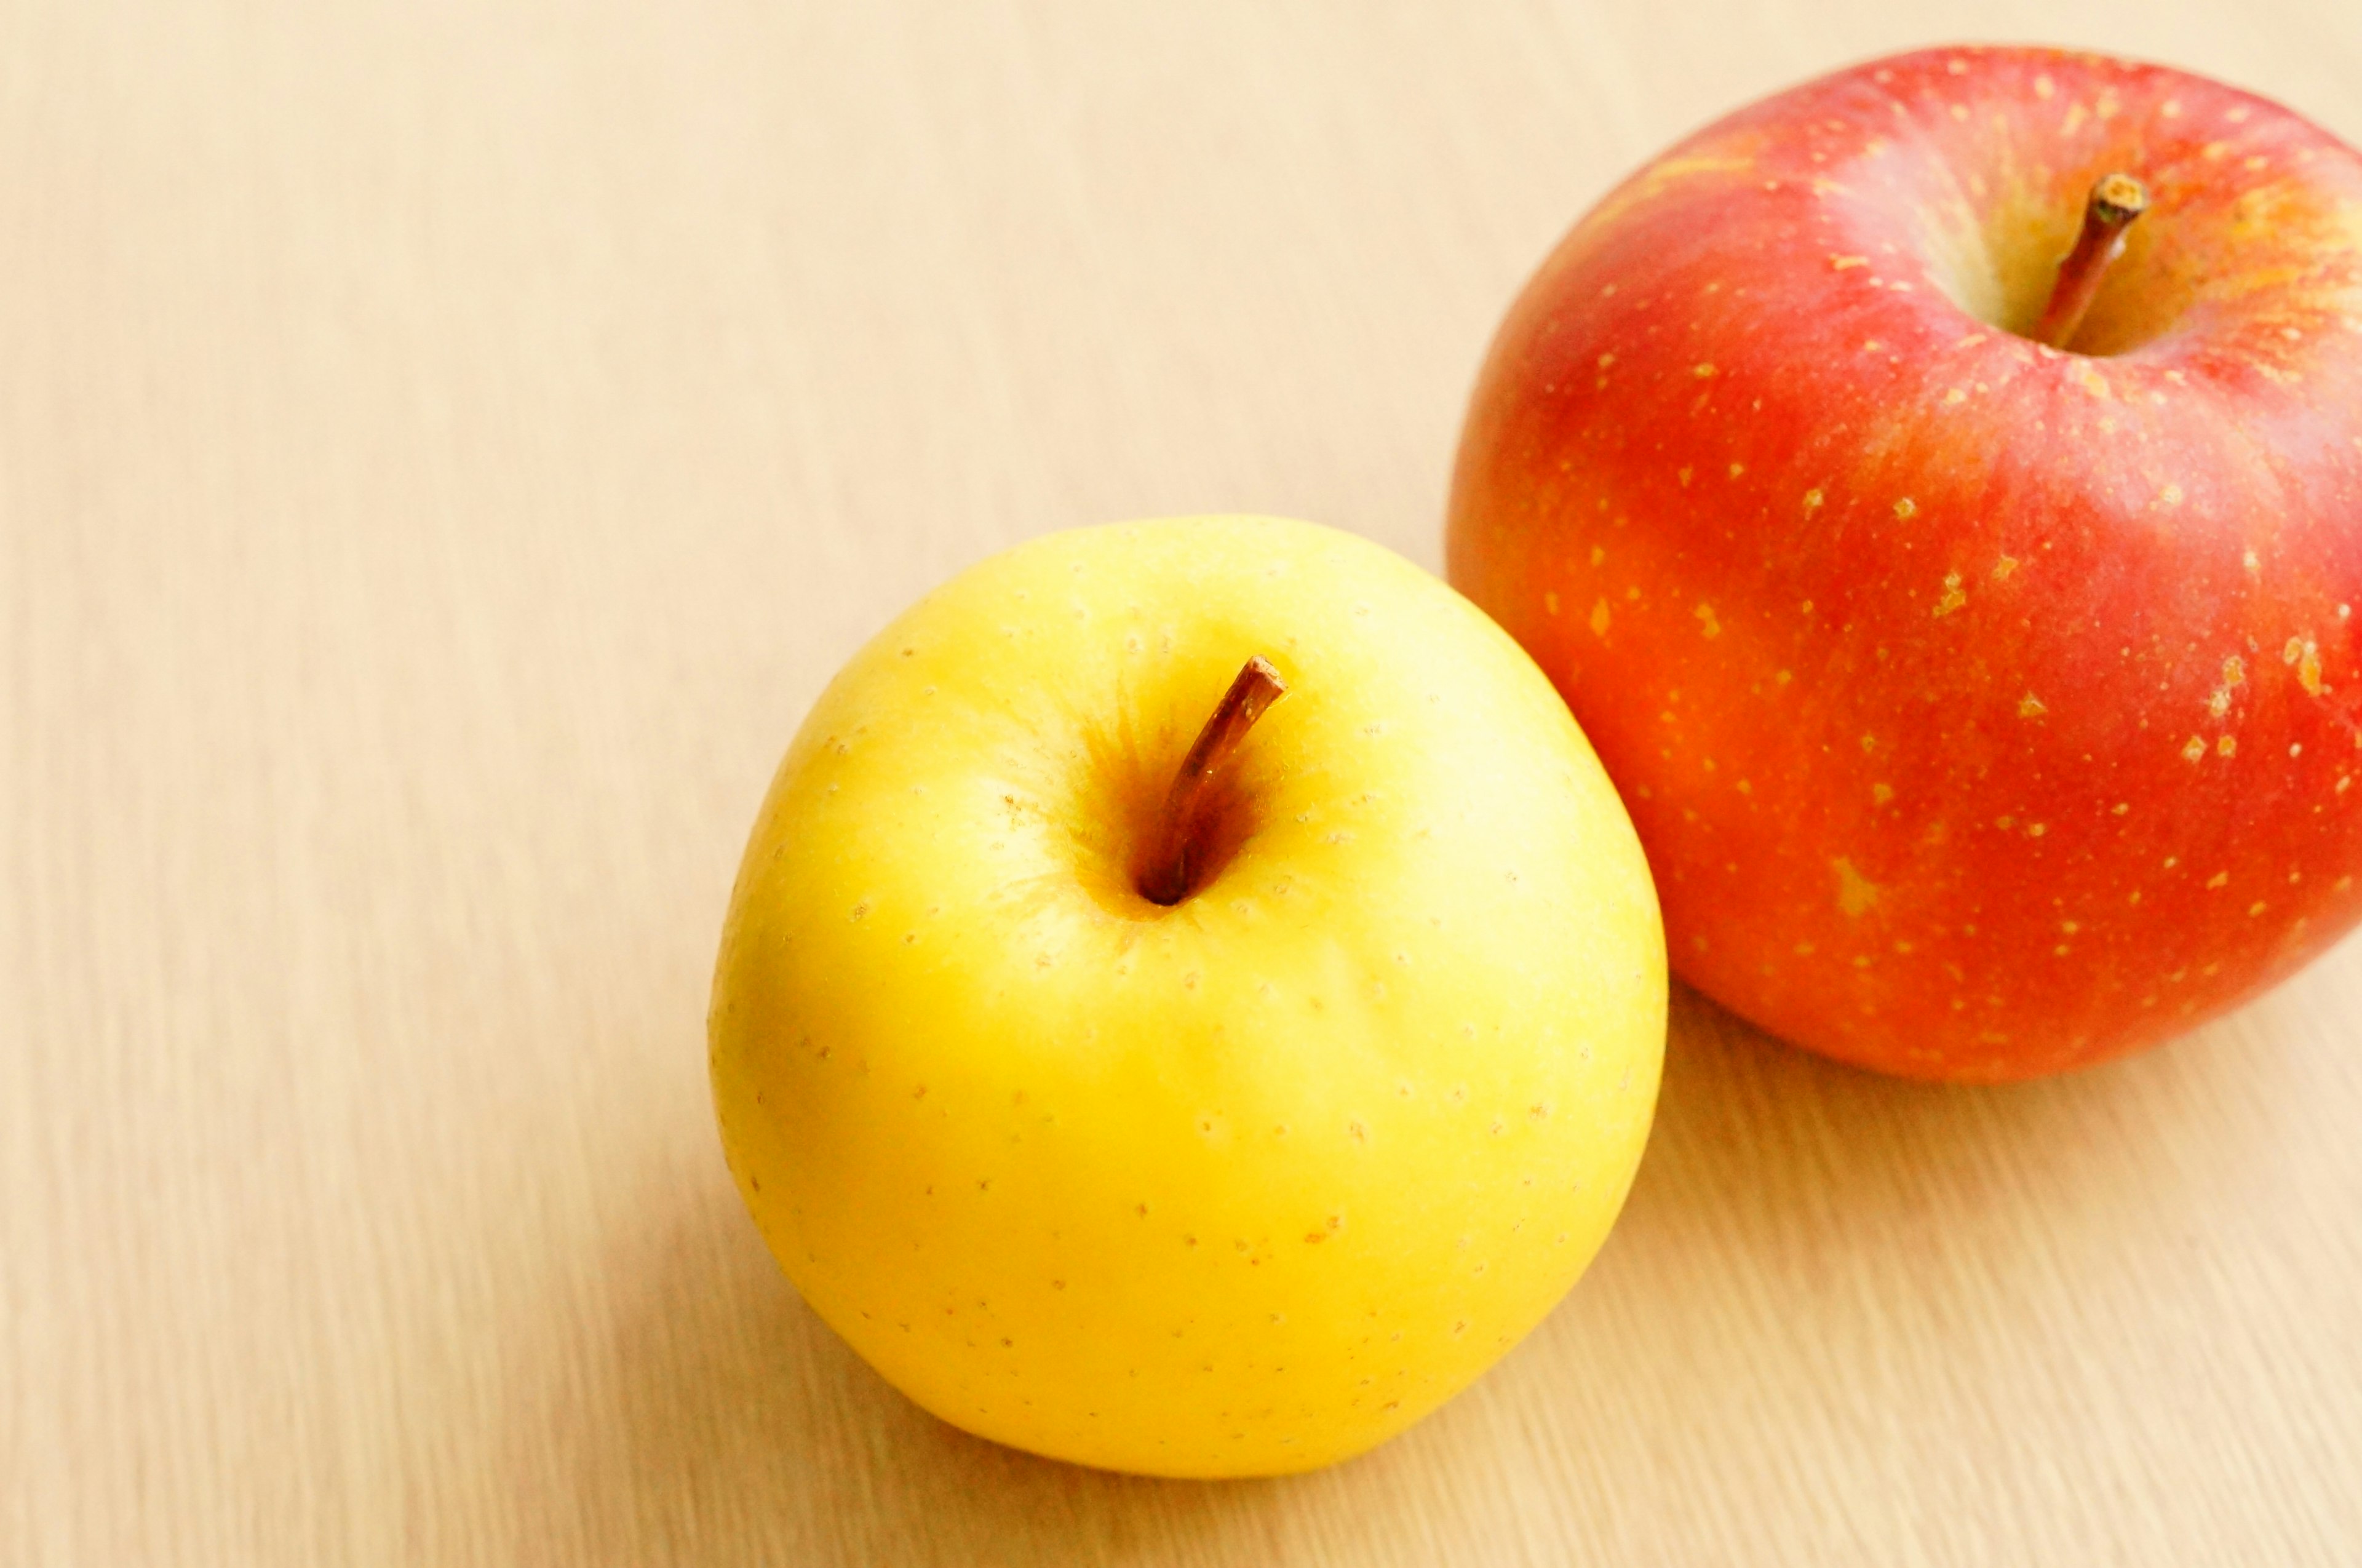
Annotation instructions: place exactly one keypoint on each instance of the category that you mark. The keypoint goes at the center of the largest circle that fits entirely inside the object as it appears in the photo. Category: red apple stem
(2115, 201)
(1170, 873)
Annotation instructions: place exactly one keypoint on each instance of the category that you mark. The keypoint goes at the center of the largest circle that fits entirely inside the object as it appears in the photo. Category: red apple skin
(1986, 710)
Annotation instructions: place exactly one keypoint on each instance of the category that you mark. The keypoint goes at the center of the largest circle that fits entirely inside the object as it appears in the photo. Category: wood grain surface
(443, 450)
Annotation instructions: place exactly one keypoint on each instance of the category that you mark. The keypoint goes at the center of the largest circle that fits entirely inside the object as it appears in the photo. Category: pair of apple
(1969, 638)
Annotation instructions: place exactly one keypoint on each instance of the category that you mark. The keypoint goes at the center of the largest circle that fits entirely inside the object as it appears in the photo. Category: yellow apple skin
(1239, 1186)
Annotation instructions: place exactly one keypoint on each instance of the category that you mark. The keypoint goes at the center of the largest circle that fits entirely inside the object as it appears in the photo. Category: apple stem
(1169, 874)
(2115, 201)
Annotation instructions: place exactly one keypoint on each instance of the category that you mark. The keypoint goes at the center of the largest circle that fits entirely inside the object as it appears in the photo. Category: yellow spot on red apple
(1954, 596)
(1599, 619)
(2030, 706)
(2195, 748)
(1708, 624)
(2303, 653)
(2217, 880)
(1855, 893)
(1906, 508)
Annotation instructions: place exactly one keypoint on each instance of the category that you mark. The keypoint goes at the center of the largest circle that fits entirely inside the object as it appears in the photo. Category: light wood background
(444, 447)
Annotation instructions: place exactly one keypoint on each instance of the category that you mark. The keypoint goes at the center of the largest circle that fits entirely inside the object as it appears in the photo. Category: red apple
(1986, 708)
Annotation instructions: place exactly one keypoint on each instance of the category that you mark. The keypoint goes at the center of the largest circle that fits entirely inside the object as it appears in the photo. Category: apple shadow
(1785, 1204)
(1812, 1248)
(1801, 1157)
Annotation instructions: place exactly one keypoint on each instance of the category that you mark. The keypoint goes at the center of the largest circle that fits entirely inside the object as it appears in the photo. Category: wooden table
(444, 449)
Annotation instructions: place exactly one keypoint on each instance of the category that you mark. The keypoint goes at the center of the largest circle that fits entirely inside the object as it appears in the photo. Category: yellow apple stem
(1169, 874)
(2115, 201)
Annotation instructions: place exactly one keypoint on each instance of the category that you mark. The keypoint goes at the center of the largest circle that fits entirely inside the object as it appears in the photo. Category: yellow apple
(1235, 1183)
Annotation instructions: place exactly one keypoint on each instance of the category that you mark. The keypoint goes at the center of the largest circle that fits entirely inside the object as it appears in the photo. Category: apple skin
(1986, 710)
(1237, 1186)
